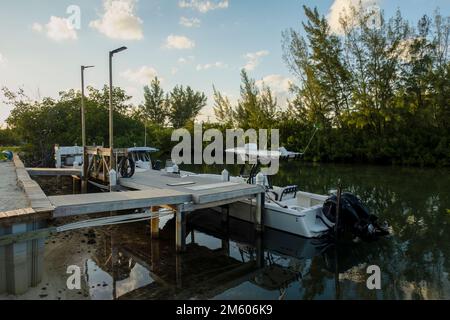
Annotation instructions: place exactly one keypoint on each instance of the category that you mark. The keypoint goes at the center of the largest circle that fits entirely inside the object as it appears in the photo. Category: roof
(251, 151)
(143, 149)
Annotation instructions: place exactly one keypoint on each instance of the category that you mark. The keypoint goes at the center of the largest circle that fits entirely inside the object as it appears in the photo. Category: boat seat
(281, 193)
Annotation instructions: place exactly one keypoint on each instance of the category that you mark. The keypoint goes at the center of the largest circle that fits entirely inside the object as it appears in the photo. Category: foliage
(379, 94)
(155, 105)
(185, 105)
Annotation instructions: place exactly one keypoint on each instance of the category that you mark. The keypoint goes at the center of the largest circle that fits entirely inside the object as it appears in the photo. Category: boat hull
(305, 223)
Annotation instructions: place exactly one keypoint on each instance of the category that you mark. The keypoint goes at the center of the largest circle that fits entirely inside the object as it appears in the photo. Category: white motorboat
(66, 157)
(142, 157)
(286, 208)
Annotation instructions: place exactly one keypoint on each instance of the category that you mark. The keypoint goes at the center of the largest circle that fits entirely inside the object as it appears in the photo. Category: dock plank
(204, 190)
(52, 172)
(73, 205)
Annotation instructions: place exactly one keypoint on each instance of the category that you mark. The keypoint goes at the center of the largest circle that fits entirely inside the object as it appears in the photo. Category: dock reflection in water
(21, 264)
(123, 262)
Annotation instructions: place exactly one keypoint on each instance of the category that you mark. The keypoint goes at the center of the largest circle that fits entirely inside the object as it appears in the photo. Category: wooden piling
(225, 214)
(259, 212)
(260, 262)
(180, 229)
(154, 223)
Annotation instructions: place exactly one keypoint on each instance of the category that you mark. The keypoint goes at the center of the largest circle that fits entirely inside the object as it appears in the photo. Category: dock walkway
(52, 172)
(204, 191)
(74, 205)
(11, 196)
(22, 199)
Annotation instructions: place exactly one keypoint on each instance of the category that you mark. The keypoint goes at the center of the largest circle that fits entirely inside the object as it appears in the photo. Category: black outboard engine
(354, 217)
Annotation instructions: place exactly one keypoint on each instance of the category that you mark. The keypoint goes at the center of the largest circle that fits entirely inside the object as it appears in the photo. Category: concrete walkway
(11, 196)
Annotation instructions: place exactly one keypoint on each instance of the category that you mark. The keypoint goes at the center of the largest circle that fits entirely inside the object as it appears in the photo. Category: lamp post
(83, 110)
(111, 110)
(83, 132)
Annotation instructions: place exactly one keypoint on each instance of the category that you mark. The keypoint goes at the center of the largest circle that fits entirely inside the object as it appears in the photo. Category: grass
(13, 149)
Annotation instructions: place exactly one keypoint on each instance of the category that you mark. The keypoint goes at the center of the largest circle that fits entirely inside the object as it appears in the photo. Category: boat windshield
(141, 156)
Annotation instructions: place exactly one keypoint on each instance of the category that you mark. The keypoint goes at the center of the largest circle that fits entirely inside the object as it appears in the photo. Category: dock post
(260, 262)
(3, 286)
(85, 173)
(259, 213)
(17, 264)
(179, 271)
(155, 254)
(225, 214)
(154, 224)
(180, 229)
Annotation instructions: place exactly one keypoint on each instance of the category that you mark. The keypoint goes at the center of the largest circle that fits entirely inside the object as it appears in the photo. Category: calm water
(232, 262)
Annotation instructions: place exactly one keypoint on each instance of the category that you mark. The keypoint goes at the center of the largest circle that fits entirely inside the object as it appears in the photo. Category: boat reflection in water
(125, 263)
(219, 258)
(224, 260)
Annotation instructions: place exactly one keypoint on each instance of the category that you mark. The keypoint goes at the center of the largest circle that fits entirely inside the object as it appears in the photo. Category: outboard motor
(354, 217)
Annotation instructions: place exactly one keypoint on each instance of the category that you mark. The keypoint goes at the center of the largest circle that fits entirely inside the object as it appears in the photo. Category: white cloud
(204, 6)
(342, 8)
(143, 75)
(3, 60)
(276, 82)
(254, 59)
(119, 20)
(183, 60)
(37, 27)
(190, 22)
(179, 42)
(218, 65)
(279, 85)
(57, 29)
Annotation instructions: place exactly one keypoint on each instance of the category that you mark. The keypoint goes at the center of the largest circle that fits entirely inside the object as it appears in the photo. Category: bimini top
(143, 149)
(251, 152)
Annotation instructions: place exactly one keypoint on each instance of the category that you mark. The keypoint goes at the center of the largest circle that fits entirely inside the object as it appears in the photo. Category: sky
(200, 43)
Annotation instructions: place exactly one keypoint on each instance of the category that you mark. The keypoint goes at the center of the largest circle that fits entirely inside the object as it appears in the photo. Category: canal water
(232, 262)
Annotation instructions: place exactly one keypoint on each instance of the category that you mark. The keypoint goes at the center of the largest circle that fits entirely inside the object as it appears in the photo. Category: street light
(111, 110)
(83, 131)
(83, 110)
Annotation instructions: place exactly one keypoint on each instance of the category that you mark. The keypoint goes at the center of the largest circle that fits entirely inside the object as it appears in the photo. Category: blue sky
(189, 42)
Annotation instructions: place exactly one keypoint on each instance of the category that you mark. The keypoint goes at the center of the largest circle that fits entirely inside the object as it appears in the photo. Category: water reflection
(21, 264)
(232, 262)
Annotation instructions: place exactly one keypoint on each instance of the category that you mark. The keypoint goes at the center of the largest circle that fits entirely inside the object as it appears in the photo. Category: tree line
(379, 94)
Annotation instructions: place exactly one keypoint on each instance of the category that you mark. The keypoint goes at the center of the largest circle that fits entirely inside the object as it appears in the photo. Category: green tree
(255, 109)
(155, 105)
(223, 110)
(42, 124)
(185, 105)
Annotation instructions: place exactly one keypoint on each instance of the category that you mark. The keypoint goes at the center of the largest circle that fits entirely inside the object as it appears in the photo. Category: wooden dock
(29, 201)
(147, 190)
(54, 172)
(75, 205)
(205, 192)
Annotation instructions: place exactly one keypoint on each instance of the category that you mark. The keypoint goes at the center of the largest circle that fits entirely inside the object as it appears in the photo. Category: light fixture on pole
(111, 107)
